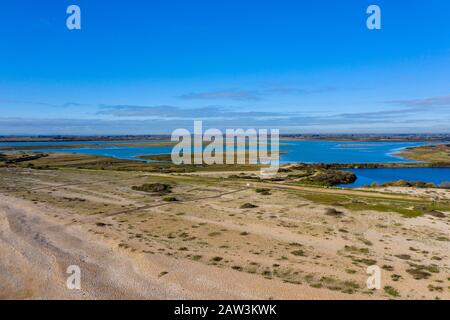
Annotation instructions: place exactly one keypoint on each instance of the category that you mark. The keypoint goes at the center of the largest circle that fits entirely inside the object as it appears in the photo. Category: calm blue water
(129, 153)
(343, 152)
(298, 151)
(382, 175)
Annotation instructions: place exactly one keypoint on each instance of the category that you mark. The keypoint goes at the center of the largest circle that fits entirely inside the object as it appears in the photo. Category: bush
(333, 212)
(248, 206)
(332, 178)
(299, 253)
(391, 291)
(170, 199)
(263, 191)
(159, 188)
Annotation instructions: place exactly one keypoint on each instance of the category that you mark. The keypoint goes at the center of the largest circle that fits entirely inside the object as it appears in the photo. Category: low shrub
(159, 188)
(248, 206)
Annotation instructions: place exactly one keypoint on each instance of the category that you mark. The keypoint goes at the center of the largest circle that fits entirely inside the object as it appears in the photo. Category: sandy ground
(36, 251)
(204, 246)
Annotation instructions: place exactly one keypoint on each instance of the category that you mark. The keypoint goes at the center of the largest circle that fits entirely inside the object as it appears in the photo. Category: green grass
(408, 208)
(391, 291)
(433, 153)
(263, 191)
(90, 162)
(224, 166)
(170, 199)
(333, 284)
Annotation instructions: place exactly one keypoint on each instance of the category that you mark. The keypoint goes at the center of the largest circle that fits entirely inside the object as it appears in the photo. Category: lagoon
(344, 152)
(383, 175)
(297, 150)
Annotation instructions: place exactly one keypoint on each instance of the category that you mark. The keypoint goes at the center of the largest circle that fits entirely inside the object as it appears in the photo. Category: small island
(439, 153)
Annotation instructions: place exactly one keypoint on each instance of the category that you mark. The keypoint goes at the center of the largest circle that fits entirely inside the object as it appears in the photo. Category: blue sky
(139, 67)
